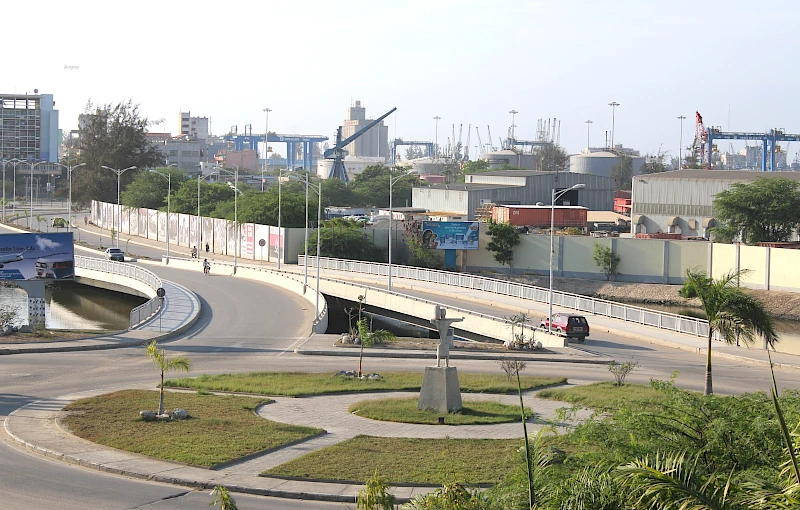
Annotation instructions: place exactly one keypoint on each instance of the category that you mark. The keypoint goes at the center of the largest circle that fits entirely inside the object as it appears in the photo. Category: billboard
(36, 256)
(450, 235)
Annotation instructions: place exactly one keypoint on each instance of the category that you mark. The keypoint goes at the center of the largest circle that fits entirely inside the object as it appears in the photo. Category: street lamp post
(168, 177)
(436, 140)
(70, 169)
(588, 128)
(4, 162)
(318, 189)
(680, 143)
(391, 184)
(613, 105)
(200, 177)
(266, 147)
(32, 165)
(555, 196)
(280, 247)
(513, 114)
(15, 178)
(119, 209)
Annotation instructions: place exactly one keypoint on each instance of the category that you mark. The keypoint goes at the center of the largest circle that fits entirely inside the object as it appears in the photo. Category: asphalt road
(248, 326)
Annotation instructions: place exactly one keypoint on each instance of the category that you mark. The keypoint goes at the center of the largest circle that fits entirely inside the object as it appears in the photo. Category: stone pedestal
(440, 390)
(36, 309)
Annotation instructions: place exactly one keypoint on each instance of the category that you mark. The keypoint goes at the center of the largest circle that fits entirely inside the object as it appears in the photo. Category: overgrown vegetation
(505, 237)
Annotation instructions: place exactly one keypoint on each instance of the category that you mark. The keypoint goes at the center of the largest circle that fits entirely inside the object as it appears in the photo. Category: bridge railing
(142, 312)
(602, 307)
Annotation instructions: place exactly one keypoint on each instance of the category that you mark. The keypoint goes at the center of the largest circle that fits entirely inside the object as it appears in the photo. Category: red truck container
(539, 215)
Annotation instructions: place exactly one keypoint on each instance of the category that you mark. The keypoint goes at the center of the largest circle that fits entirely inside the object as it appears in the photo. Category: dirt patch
(782, 305)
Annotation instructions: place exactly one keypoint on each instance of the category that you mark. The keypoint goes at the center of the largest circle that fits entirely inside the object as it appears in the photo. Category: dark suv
(568, 324)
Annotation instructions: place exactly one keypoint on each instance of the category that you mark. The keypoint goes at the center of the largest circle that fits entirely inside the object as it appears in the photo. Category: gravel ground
(783, 305)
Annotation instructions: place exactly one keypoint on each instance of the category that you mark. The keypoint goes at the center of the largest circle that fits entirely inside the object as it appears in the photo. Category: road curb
(432, 356)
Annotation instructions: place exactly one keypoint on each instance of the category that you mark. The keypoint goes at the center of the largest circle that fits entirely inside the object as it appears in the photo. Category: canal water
(788, 331)
(69, 305)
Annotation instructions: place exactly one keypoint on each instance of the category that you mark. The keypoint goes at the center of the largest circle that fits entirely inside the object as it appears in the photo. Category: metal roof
(516, 173)
(740, 175)
(469, 186)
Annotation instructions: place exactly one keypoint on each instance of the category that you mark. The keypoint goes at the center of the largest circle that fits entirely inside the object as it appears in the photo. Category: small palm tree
(165, 364)
(39, 220)
(731, 312)
(223, 498)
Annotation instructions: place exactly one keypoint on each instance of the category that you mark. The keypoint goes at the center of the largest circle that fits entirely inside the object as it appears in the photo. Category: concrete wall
(115, 282)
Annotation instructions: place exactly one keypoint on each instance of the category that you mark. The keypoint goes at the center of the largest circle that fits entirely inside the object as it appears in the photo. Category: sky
(468, 62)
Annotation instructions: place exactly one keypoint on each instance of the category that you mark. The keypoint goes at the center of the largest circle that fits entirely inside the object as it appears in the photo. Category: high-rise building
(196, 128)
(373, 143)
(28, 127)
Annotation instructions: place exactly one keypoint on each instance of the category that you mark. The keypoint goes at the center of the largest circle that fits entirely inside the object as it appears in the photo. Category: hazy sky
(466, 61)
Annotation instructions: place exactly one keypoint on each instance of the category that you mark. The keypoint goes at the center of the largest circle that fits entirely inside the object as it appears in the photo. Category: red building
(622, 202)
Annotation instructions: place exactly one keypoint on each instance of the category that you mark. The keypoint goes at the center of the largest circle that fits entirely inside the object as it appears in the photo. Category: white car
(115, 254)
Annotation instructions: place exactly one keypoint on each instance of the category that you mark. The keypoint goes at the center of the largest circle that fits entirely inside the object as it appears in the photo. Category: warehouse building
(514, 187)
(682, 201)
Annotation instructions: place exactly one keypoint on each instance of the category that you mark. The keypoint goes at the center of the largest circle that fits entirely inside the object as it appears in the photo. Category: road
(249, 326)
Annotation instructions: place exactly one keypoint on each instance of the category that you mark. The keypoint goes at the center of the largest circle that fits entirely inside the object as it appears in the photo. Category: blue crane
(768, 140)
(337, 152)
(397, 142)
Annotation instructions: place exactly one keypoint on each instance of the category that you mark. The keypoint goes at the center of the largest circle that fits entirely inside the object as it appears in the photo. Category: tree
(606, 259)
(111, 135)
(371, 187)
(504, 238)
(731, 313)
(165, 364)
(622, 172)
(335, 192)
(150, 191)
(475, 167)
(692, 159)
(551, 157)
(341, 238)
(257, 207)
(767, 210)
(656, 163)
(184, 200)
(223, 498)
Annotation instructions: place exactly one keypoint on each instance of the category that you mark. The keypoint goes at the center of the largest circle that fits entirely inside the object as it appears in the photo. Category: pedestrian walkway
(36, 427)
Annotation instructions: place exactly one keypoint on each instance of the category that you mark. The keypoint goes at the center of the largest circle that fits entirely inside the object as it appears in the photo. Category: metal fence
(640, 315)
(142, 312)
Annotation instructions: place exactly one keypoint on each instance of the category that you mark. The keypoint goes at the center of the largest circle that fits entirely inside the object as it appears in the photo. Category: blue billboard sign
(450, 235)
(36, 256)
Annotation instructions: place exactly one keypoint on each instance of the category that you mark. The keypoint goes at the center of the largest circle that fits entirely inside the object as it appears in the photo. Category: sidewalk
(36, 428)
(500, 305)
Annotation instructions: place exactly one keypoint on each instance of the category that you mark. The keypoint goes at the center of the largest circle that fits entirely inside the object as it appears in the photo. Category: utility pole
(613, 105)
(513, 115)
(436, 140)
(680, 143)
(266, 147)
(588, 128)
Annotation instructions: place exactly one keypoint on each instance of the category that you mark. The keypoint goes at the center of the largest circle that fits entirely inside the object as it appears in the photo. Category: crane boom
(466, 147)
(337, 152)
(480, 142)
(489, 129)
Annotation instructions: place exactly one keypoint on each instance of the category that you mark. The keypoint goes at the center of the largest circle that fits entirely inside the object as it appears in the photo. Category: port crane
(337, 153)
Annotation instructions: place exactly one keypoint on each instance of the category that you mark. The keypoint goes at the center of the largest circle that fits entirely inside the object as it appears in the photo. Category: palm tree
(732, 313)
(165, 364)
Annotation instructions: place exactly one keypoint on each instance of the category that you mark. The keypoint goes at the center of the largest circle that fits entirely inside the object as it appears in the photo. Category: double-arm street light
(168, 177)
(32, 165)
(318, 189)
(235, 213)
(200, 177)
(392, 180)
(14, 163)
(119, 209)
(69, 169)
(555, 196)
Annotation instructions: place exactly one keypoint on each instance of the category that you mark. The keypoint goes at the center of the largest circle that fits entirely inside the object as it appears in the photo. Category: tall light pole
(168, 177)
(680, 143)
(318, 189)
(436, 140)
(200, 177)
(32, 165)
(119, 209)
(588, 128)
(513, 115)
(70, 169)
(555, 197)
(613, 105)
(391, 183)
(266, 147)
(13, 162)
(14, 165)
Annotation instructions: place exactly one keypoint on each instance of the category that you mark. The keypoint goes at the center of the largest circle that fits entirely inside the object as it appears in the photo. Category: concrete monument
(440, 389)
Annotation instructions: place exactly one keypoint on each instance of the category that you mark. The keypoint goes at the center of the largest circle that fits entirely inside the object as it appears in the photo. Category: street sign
(161, 292)
(262, 242)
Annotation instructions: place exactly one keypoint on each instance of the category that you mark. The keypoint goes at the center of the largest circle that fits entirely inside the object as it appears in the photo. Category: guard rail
(142, 312)
(644, 316)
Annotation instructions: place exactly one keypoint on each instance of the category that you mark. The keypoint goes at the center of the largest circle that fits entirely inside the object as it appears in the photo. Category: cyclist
(206, 266)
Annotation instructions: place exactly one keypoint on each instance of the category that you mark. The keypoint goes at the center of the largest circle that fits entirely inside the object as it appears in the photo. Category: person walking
(86, 221)
(206, 248)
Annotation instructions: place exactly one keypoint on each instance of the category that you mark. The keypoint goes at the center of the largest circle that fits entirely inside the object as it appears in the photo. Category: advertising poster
(450, 235)
(207, 233)
(247, 233)
(162, 225)
(183, 230)
(231, 232)
(135, 222)
(262, 232)
(152, 224)
(36, 256)
(275, 240)
(143, 221)
(173, 227)
(125, 229)
(220, 235)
